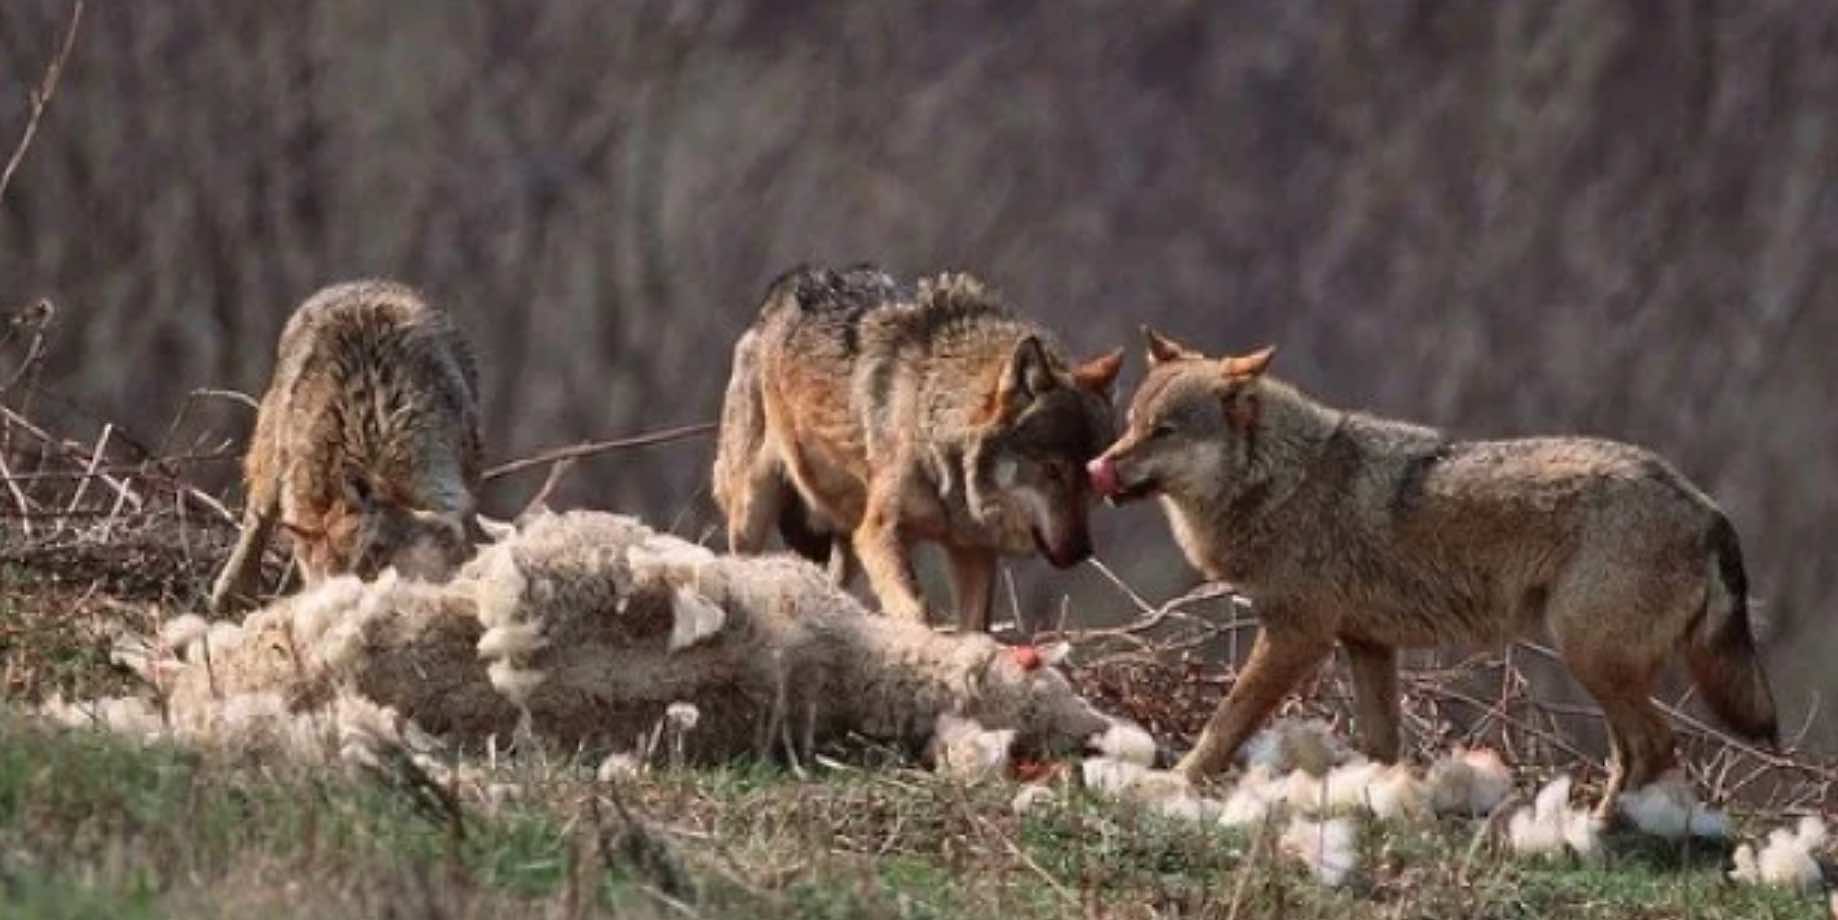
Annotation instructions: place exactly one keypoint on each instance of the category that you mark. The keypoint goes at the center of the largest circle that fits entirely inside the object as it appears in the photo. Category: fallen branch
(590, 448)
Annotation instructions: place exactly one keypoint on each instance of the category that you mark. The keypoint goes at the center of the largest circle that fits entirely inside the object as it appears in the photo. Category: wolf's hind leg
(1640, 739)
(1375, 697)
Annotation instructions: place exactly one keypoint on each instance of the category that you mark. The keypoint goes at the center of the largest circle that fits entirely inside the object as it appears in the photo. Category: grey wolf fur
(856, 408)
(366, 446)
(1382, 535)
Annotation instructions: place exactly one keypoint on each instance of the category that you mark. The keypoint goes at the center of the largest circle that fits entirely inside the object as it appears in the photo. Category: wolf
(858, 410)
(366, 447)
(1379, 535)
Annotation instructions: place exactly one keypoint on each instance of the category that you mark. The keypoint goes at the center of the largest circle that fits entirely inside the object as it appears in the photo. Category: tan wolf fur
(366, 446)
(895, 417)
(1381, 535)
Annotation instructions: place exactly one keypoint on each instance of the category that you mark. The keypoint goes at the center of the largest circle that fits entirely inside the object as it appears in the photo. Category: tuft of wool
(1786, 859)
(697, 618)
(1127, 743)
(1296, 744)
(181, 631)
(1551, 825)
(1469, 782)
(619, 766)
(1329, 848)
(967, 751)
(1253, 799)
(1030, 798)
(1669, 808)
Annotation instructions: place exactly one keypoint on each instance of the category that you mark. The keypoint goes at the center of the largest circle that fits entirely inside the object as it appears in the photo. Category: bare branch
(41, 97)
(590, 448)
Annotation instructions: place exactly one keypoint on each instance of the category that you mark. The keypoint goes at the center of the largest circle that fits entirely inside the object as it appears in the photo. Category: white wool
(1668, 807)
(1126, 742)
(696, 618)
(1786, 859)
(512, 639)
(1296, 744)
(1188, 807)
(500, 588)
(517, 684)
(1540, 829)
(1329, 848)
(220, 638)
(662, 556)
(1397, 793)
(617, 767)
(131, 716)
(965, 750)
(1110, 777)
(1031, 797)
(181, 631)
(682, 715)
(1469, 781)
(1252, 799)
(317, 610)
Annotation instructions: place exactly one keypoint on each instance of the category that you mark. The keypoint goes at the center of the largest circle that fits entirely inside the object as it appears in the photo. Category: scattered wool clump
(1786, 859)
(1389, 792)
(1032, 797)
(618, 766)
(1329, 848)
(1127, 743)
(1257, 794)
(969, 752)
(1469, 781)
(1296, 744)
(1669, 808)
(1551, 825)
(1163, 791)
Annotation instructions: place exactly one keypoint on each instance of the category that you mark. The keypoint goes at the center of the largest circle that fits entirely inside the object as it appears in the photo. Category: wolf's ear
(1163, 349)
(1099, 373)
(1251, 365)
(1029, 374)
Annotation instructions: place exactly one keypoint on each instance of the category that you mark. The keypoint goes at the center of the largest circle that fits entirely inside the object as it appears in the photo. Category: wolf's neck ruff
(1267, 495)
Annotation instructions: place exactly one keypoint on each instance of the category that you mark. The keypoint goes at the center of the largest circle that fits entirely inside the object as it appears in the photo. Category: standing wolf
(366, 446)
(857, 408)
(1381, 535)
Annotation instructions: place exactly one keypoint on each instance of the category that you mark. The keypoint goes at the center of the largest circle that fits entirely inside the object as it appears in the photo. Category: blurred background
(1607, 217)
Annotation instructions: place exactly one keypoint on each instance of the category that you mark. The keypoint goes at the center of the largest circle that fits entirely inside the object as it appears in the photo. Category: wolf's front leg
(885, 557)
(236, 584)
(1278, 662)
(973, 581)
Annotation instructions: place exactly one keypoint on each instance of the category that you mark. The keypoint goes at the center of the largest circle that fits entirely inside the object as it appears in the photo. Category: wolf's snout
(1103, 474)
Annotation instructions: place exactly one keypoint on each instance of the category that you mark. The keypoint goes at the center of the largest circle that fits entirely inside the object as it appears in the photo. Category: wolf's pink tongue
(1103, 475)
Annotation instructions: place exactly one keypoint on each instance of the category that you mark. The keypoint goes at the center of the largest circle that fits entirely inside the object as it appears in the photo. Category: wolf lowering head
(869, 417)
(366, 447)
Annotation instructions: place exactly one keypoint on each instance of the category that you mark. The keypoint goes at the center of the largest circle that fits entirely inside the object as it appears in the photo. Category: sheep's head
(1022, 687)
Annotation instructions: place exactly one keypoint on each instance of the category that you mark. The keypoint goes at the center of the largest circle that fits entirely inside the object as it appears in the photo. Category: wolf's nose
(1103, 474)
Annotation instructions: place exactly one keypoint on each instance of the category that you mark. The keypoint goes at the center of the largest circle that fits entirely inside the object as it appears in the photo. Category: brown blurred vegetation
(1598, 216)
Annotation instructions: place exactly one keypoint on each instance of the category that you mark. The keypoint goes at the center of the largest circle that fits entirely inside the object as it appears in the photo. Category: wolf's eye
(1161, 430)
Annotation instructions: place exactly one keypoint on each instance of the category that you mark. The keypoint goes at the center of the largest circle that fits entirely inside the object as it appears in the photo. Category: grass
(97, 826)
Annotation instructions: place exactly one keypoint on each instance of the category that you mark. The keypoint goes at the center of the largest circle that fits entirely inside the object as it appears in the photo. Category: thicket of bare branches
(1598, 216)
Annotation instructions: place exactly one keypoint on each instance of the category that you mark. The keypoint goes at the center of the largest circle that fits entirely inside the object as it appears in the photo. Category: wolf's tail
(1720, 646)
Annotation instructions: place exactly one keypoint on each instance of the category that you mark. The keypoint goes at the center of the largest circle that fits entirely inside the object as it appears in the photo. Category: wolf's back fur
(368, 431)
(859, 409)
(1381, 535)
